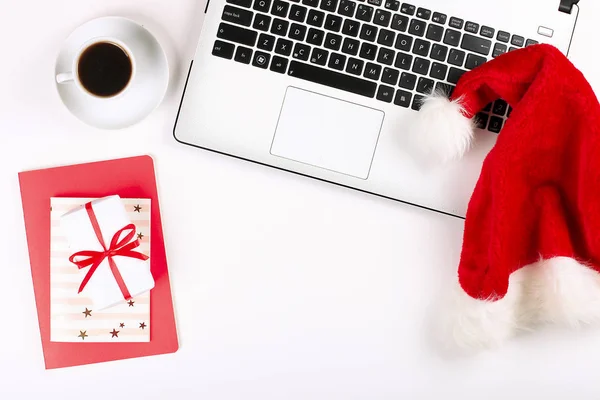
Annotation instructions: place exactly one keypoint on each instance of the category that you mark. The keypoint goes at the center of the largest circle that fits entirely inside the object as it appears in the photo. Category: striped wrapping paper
(72, 316)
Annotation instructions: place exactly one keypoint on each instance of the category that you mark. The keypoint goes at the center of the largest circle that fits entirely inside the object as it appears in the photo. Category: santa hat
(531, 245)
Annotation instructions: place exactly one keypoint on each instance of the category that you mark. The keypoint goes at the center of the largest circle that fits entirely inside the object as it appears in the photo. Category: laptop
(326, 88)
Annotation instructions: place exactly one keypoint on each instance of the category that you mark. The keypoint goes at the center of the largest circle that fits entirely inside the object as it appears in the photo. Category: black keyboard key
(403, 42)
(408, 9)
(374, 2)
(421, 66)
(495, 124)
(261, 22)
(452, 37)
(421, 47)
(402, 98)
(243, 55)
(456, 23)
(279, 27)
(417, 27)
(241, 3)
(474, 61)
(517, 40)
(512, 48)
(385, 56)
(399, 23)
(333, 23)
(438, 71)
(408, 81)
(368, 32)
(351, 28)
(266, 42)
(423, 13)
(279, 64)
(476, 44)
(439, 52)
(425, 85)
(280, 8)
(481, 120)
(301, 51)
(385, 93)
(297, 13)
(488, 107)
(368, 51)
(354, 66)
(223, 50)
(390, 76)
(530, 42)
(237, 15)
(435, 32)
(444, 88)
(364, 12)
(503, 36)
(393, 5)
(315, 18)
(456, 57)
(329, 5)
(315, 36)
(417, 102)
(471, 27)
(319, 56)
(500, 107)
(386, 37)
(346, 8)
(297, 32)
(439, 18)
(372, 71)
(403, 61)
(261, 60)
(350, 46)
(333, 41)
(236, 34)
(487, 31)
(509, 111)
(311, 3)
(284, 47)
(455, 74)
(337, 61)
(499, 49)
(262, 5)
(382, 18)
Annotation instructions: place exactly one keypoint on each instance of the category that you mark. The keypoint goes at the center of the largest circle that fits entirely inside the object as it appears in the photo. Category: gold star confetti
(142, 325)
(131, 303)
(121, 325)
(140, 236)
(114, 333)
(88, 313)
(137, 208)
(82, 335)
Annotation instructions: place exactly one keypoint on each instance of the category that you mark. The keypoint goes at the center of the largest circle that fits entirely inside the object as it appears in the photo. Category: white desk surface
(285, 287)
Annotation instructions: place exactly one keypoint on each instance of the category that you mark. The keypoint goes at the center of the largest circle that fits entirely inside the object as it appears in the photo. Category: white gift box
(103, 287)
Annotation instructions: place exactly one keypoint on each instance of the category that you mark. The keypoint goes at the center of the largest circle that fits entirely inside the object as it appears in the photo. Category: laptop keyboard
(392, 51)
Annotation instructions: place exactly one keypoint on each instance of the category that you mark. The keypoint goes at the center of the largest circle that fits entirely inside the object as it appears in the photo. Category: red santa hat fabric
(531, 245)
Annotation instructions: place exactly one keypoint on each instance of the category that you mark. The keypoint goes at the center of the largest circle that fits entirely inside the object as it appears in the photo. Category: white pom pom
(441, 131)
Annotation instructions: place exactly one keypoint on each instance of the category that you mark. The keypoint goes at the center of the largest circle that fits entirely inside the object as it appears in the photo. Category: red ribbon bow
(118, 247)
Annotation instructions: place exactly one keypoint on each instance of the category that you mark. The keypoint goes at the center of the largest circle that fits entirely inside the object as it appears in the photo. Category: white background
(285, 287)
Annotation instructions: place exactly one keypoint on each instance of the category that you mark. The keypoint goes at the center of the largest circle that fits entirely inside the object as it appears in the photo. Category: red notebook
(129, 178)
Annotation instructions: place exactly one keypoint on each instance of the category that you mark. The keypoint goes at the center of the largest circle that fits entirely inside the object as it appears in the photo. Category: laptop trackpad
(326, 132)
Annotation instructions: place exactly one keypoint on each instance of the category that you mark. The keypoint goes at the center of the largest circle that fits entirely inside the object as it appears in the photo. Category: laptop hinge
(566, 6)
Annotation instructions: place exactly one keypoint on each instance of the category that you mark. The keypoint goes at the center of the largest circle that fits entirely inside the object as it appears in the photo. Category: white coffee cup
(72, 76)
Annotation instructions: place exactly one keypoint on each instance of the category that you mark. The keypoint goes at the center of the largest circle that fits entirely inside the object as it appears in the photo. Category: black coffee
(104, 69)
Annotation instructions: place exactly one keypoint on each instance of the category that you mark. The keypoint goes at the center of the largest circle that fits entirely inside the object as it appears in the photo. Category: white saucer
(140, 99)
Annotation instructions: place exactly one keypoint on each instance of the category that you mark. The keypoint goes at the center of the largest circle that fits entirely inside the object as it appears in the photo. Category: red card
(129, 178)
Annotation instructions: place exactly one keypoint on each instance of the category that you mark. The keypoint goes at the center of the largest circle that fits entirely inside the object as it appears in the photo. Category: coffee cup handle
(65, 77)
